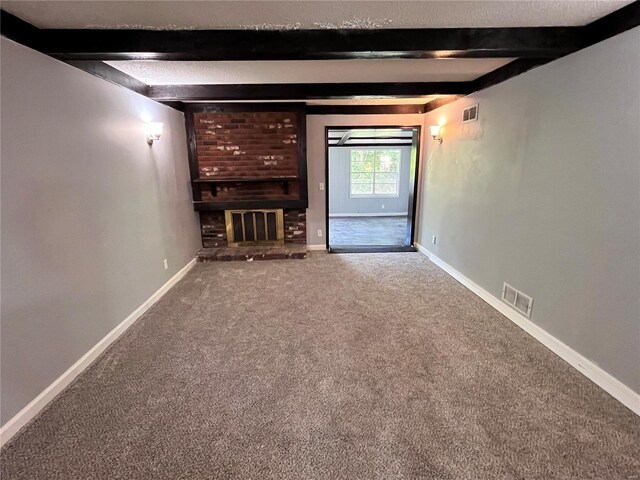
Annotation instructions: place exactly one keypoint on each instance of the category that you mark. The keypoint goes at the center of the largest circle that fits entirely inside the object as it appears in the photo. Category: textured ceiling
(278, 15)
(308, 71)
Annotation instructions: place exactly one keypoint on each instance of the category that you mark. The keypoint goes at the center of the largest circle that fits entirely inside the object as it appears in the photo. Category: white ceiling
(154, 72)
(310, 14)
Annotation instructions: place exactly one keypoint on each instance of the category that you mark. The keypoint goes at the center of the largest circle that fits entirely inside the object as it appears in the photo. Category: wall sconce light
(153, 131)
(436, 132)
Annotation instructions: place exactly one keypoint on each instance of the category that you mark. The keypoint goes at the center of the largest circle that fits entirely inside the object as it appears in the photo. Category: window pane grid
(375, 172)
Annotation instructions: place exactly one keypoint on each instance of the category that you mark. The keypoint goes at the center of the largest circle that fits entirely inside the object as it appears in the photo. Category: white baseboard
(593, 372)
(317, 247)
(9, 429)
(379, 214)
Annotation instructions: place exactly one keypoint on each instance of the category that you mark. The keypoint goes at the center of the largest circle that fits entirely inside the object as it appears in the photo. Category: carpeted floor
(375, 366)
(349, 231)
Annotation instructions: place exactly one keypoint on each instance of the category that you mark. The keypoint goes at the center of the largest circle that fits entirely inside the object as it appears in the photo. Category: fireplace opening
(254, 227)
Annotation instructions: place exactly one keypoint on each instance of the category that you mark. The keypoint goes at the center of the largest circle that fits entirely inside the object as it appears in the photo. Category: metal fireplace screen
(254, 227)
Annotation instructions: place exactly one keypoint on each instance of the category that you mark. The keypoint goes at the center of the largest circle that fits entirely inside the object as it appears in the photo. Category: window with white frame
(374, 172)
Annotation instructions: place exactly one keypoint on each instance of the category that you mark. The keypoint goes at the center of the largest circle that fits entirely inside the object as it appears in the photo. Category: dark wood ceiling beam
(518, 42)
(304, 91)
(506, 72)
(104, 44)
(615, 23)
(20, 31)
(547, 42)
(533, 47)
(26, 34)
(175, 105)
(110, 74)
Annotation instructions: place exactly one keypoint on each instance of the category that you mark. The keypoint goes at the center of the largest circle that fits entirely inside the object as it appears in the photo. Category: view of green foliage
(375, 172)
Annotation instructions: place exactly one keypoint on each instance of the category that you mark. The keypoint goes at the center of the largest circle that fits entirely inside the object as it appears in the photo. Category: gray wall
(340, 200)
(89, 212)
(544, 192)
(316, 125)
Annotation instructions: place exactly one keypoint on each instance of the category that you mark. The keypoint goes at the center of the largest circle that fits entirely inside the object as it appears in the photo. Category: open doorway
(371, 181)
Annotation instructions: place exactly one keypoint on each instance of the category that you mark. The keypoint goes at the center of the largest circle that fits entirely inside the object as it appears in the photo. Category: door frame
(413, 190)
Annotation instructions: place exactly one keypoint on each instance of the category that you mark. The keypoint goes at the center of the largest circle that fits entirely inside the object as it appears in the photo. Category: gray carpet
(374, 366)
(346, 231)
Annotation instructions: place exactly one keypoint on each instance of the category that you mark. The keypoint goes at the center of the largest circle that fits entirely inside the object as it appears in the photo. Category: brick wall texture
(214, 233)
(247, 144)
(213, 229)
(295, 226)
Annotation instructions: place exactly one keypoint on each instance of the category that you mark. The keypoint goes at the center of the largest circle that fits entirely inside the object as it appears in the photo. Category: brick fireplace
(248, 158)
(214, 228)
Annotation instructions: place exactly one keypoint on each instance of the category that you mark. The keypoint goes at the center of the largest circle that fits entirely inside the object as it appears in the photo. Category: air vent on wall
(518, 300)
(470, 114)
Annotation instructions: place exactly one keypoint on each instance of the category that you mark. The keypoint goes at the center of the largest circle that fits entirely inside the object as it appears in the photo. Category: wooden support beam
(533, 46)
(110, 74)
(104, 44)
(304, 91)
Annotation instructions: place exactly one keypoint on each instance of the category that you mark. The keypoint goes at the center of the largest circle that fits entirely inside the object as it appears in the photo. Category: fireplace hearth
(249, 177)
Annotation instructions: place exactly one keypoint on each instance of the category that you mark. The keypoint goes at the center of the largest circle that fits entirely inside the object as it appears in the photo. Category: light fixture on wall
(153, 131)
(436, 132)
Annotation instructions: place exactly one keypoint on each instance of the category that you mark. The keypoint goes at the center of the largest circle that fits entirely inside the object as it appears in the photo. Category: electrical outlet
(166, 264)
(319, 232)
(382, 206)
(321, 185)
(433, 239)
